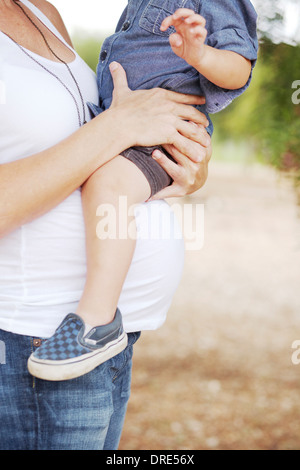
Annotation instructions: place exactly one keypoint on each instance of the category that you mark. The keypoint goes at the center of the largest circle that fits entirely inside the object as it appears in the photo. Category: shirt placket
(107, 48)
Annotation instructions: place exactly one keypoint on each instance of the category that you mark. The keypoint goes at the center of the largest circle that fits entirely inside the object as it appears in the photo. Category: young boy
(206, 48)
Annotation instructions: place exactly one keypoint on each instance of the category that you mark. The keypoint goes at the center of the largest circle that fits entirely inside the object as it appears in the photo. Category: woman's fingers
(172, 168)
(189, 113)
(187, 176)
(119, 78)
(183, 98)
(159, 116)
(186, 146)
(182, 173)
(194, 132)
(177, 156)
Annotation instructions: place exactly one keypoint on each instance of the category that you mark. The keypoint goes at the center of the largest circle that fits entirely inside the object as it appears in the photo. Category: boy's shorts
(157, 177)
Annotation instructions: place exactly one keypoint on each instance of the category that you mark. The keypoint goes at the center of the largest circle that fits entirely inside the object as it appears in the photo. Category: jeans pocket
(157, 10)
(119, 362)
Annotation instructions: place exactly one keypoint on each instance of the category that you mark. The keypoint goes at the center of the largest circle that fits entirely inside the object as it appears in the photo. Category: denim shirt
(146, 55)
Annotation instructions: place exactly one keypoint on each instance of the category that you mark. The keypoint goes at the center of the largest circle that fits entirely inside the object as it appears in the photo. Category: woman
(47, 152)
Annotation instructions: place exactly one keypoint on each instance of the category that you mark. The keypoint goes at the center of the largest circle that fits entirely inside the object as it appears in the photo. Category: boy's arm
(225, 69)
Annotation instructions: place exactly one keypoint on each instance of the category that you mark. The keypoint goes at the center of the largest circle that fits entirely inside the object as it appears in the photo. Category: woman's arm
(34, 185)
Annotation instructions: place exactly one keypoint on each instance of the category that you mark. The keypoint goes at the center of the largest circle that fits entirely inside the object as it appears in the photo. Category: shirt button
(103, 56)
(125, 25)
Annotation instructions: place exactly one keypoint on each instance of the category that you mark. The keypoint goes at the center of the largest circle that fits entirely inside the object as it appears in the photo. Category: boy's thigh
(156, 176)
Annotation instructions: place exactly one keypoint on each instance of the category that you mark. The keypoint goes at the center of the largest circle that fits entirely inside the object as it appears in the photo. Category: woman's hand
(187, 175)
(155, 117)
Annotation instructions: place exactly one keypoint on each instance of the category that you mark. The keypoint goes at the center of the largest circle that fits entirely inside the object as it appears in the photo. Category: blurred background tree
(88, 47)
(267, 115)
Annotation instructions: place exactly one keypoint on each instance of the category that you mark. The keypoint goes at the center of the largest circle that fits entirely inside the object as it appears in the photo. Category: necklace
(81, 122)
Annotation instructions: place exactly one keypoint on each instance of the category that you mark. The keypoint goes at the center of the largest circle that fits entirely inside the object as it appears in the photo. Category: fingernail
(113, 66)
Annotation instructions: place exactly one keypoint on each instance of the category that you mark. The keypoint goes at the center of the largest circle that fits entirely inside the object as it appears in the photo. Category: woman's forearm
(32, 186)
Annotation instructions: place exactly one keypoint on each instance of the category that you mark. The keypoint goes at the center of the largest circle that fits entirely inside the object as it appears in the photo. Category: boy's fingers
(175, 40)
(192, 19)
(167, 22)
(183, 13)
(199, 32)
(176, 17)
(195, 19)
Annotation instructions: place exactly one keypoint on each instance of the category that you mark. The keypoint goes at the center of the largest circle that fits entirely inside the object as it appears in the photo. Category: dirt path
(219, 374)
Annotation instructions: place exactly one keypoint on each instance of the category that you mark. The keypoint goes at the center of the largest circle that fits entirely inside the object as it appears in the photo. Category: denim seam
(128, 349)
(188, 76)
(120, 369)
(36, 403)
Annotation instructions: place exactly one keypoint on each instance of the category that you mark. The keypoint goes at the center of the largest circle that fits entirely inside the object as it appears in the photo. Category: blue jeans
(82, 414)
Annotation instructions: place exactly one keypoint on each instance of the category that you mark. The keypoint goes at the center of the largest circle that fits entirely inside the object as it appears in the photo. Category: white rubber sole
(72, 368)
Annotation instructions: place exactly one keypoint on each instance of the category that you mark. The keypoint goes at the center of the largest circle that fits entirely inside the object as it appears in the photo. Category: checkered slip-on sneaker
(69, 353)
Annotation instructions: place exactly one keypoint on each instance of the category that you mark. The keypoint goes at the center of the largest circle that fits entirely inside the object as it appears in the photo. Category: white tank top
(36, 113)
(43, 263)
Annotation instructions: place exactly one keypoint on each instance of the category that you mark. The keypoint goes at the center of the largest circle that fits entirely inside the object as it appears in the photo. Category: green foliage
(88, 47)
(266, 113)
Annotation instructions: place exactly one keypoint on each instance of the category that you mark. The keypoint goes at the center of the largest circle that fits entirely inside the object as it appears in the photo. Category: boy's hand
(188, 41)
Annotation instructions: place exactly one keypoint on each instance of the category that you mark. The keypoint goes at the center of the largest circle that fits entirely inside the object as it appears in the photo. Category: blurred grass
(265, 116)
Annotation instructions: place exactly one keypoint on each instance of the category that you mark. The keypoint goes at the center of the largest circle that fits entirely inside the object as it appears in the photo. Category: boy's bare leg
(108, 260)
